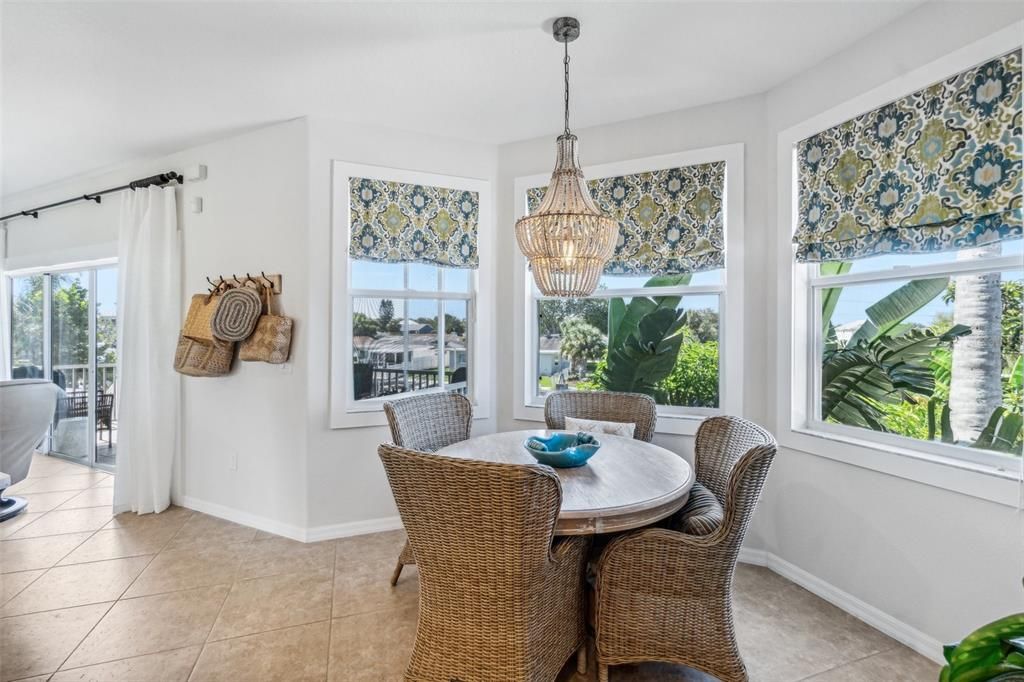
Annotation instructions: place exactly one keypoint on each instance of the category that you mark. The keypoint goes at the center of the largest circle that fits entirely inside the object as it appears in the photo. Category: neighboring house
(414, 327)
(845, 332)
(419, 350)
(549, 357)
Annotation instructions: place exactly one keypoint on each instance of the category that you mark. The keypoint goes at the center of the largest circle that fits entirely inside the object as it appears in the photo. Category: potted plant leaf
(992, 653)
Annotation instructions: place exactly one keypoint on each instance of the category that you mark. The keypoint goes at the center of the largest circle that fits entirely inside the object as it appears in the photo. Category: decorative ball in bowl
(562, 450)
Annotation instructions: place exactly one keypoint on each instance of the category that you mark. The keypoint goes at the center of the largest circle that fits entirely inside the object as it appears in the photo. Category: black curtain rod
(159, 180)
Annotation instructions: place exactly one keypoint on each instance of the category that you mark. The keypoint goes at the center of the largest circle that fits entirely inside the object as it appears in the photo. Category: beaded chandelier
(567, 239)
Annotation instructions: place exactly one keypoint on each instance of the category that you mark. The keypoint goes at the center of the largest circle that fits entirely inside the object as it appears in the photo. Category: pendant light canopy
(567, 239)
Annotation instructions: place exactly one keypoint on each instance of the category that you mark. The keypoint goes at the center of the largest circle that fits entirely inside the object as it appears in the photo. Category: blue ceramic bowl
(562, 450)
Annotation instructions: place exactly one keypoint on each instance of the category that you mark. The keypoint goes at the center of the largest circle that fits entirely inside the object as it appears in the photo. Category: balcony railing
(77, 376)
(70, 377)
(376, 382)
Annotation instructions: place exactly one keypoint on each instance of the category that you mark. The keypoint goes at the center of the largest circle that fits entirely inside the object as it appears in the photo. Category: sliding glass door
(70, 299)
(64, 328)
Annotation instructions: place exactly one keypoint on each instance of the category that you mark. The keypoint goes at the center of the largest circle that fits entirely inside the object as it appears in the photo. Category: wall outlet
(233, 461)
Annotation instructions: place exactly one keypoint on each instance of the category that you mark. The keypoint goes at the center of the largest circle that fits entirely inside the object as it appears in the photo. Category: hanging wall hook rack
(272, 282)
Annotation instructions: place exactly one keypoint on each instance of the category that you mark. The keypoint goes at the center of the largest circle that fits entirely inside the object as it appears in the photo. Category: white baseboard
(244, 518)
(909, 636)
(315, 534)
(344, 530)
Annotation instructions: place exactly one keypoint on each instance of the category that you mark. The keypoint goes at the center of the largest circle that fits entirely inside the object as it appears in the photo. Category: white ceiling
(87, 85)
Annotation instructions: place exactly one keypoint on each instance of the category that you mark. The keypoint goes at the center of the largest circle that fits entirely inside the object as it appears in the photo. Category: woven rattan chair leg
(602, 672)
(581, 660)
(397, 572)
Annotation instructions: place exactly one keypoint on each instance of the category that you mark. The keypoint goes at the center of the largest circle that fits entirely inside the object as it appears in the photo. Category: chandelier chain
(566, 64)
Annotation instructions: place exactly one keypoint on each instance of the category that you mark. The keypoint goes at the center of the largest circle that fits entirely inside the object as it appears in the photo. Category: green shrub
(694, 380)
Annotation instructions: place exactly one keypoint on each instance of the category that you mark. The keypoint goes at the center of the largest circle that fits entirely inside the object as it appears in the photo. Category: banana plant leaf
(992, 652)
(1001, 432)
(885, 315)
(859, 379)
(939, 425)
(647, 355)
(1013, 382)
(623, 319)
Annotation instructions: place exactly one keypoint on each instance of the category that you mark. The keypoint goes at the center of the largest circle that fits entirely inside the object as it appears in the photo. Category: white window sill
(998, 485)
(369, 413)
(675, 424)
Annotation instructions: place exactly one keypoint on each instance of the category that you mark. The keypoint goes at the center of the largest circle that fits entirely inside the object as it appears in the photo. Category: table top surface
(626, 484)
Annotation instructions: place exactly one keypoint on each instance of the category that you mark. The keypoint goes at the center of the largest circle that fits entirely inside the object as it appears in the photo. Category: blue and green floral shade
(395, 222)
(937, 170)
(670, 221)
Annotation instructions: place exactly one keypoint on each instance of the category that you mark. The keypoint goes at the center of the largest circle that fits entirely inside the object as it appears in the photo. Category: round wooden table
(627, 484)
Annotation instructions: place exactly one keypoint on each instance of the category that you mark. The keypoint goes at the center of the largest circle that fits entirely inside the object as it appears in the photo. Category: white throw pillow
(624, 429)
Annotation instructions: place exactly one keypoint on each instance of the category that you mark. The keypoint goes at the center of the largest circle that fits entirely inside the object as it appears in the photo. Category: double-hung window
(407, 323)
(665, 318)
(908, 242)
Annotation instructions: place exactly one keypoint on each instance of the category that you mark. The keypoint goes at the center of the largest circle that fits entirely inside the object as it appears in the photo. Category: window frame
(797, 362)
(816, 346)
(345, 411)
(406, 294)
(529, 404)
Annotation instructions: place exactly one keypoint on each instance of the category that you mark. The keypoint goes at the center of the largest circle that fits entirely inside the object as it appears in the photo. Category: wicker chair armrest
(564, 573)
(570, 550)
(619, 554)
(562, 587)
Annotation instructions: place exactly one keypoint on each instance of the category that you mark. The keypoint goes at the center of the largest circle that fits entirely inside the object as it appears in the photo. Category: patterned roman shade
(394, 222)
(937, 170)
(670, 221)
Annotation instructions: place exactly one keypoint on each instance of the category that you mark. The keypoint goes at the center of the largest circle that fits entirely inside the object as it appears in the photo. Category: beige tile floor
(185, 596)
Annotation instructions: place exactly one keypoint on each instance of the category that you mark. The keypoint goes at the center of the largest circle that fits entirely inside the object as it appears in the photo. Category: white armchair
(26, 409)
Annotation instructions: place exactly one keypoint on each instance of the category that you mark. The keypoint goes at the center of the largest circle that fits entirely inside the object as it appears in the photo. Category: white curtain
(5, 311)
(149, 305)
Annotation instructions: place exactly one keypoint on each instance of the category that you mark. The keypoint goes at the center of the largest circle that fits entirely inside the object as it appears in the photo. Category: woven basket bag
(203, 358)
(200, 313)
(272, 339)
(237, 314)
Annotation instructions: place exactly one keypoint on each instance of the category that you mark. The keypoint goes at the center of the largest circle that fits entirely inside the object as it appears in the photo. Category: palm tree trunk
(976, 385)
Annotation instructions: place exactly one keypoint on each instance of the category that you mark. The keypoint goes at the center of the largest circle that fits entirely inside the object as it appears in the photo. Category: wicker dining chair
(498, 601)
(610, 406)
(427, 423)
(663, 595)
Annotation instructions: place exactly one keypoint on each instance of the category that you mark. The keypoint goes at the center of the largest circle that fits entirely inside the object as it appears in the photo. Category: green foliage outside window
(654, 347)
(70, 332)
(895, 377)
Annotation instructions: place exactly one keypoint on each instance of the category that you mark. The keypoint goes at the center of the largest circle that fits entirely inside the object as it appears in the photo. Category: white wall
(941, 562)
(346, 480)
(267, 206)
(254, 218)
